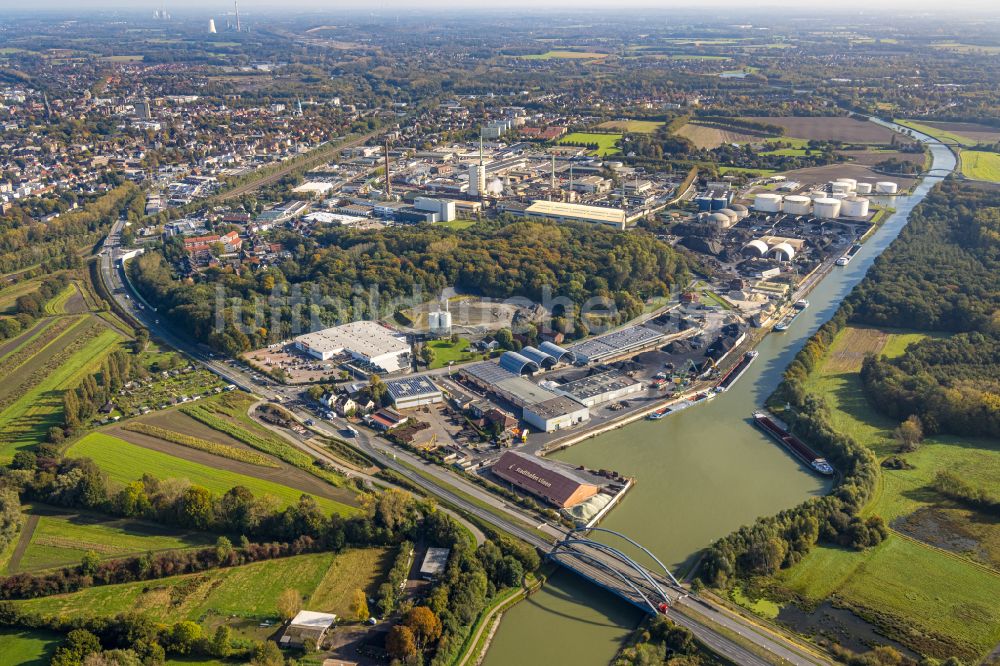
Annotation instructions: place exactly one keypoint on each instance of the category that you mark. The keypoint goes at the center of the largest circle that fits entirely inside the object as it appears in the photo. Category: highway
(711, 623)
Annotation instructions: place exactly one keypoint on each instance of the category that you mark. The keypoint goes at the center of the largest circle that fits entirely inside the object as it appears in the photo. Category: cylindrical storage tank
(840, 195)
(886, 187)
(851, 182)
(838, 187)
(433, 320)
(816, 196)
(828, 208)
(796, 204)
(782, 252)
(718, 203)
(741, 210)
(720, 220)
(863, 188)
(767, 202)
(444, 320)
(704, 203)
(755, 248)
(730, 213)
(854, 207)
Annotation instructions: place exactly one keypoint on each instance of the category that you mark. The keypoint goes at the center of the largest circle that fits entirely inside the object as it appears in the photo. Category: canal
(701, 473)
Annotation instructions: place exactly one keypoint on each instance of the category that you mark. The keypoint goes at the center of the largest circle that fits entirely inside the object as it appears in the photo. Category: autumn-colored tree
(289, 604)
(400, 642)
(424, 623)
(359, 606)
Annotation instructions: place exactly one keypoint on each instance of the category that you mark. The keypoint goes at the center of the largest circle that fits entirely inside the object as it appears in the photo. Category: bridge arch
(666, 571)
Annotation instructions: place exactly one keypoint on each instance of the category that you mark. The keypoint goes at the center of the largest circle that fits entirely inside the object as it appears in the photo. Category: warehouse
(557, 413)
(365, 341)
(570, 212)
(411, 392)
(600, 387)
(617, 343)
(555, 484)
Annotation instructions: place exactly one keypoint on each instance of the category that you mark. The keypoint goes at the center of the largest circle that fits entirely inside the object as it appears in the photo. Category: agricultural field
(981, 165)
(55, 537)
(971, 131)
(606, 143)
(941, 564)
(705, 137)
(446, 351)
(830, 128)
(939, 132)
(125, 462)
(634, 126)
(240, 596)
(24, 647)
(565, 55)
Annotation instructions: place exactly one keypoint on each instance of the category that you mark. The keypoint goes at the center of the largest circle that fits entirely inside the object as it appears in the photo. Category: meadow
(325, 581)
(938, 133)
(981, 165)
(23, 647)
(565, 55)
(634, 126)
(125, 462)
(606, 143)
(446, 351)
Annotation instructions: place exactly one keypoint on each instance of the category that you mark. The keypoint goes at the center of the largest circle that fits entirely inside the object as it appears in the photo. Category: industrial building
(600, 387)
(444, 208)
(365, 341)
(410, 392)
(569, 212)
(541, 408)
(617, 343)
(554, 483)
(435, 562)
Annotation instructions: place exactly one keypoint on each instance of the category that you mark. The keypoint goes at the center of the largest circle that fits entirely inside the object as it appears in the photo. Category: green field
(565, 55)
(445, 350)
(605, 142)
(23, 647)
(325, 581)
(938, 133)
(941, 584)
(126, 462)
(456, 225)
(634, 126)
(63, 539)
(981, 165)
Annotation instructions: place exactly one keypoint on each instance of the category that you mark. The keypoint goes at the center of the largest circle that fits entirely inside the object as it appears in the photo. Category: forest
(941, 275)
(338, 275)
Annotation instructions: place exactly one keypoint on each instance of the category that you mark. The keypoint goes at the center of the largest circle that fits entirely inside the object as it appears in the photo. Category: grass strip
(215, 448)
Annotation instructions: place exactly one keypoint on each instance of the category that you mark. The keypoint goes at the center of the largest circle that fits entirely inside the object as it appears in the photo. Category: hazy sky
(333, 6)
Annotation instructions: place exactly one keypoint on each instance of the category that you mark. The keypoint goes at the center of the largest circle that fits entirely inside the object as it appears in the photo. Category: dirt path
(27, 531)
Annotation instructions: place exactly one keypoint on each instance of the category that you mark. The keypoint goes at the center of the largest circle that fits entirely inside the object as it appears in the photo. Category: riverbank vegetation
(908, 418)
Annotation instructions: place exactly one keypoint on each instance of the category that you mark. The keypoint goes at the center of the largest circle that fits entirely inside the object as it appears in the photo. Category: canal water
(701, 473)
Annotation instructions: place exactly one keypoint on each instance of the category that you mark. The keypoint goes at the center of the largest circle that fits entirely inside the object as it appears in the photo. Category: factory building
(411, 392)
(541, 408)
(556, 484)
(617, 343)
(600, 387)
(570, 212)
(444, 208)
(365, 341)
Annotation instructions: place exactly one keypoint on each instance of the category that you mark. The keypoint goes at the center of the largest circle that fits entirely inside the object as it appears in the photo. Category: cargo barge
(737, 371)
(678, 406)
(846, 259)
(792, 443)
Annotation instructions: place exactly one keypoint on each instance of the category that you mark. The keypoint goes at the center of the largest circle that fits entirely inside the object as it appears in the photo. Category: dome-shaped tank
(886, 187)
(720, 220)
(854, 207)
(767, 202)
(730, 213)
(828, 208)
(741, 210)
(796, 204)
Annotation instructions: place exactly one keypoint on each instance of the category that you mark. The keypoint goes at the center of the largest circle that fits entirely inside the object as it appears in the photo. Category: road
(700, 616)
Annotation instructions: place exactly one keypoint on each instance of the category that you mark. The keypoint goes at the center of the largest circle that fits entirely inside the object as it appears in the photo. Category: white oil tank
(816, 196)
(828, 208)
(886, 187)
(796, 204)
(838, 187)
(854, 207)
(851, 182)
(767, 202)
(863, 188)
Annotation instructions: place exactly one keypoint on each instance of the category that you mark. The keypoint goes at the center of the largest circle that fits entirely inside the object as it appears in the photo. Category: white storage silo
(828, 208)
(816, 196)
(838, 187)
(767, 202)
(854, 207)
(796, 204)
(840, 195)
(863, 188)
(851, 182)
(886, 187)
(444, 321)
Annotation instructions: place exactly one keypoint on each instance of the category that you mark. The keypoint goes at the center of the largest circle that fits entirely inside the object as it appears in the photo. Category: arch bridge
(653, 590)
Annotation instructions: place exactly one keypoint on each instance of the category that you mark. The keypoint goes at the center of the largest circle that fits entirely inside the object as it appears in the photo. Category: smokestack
(211, 26)
(236, 3)
(388, 174)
